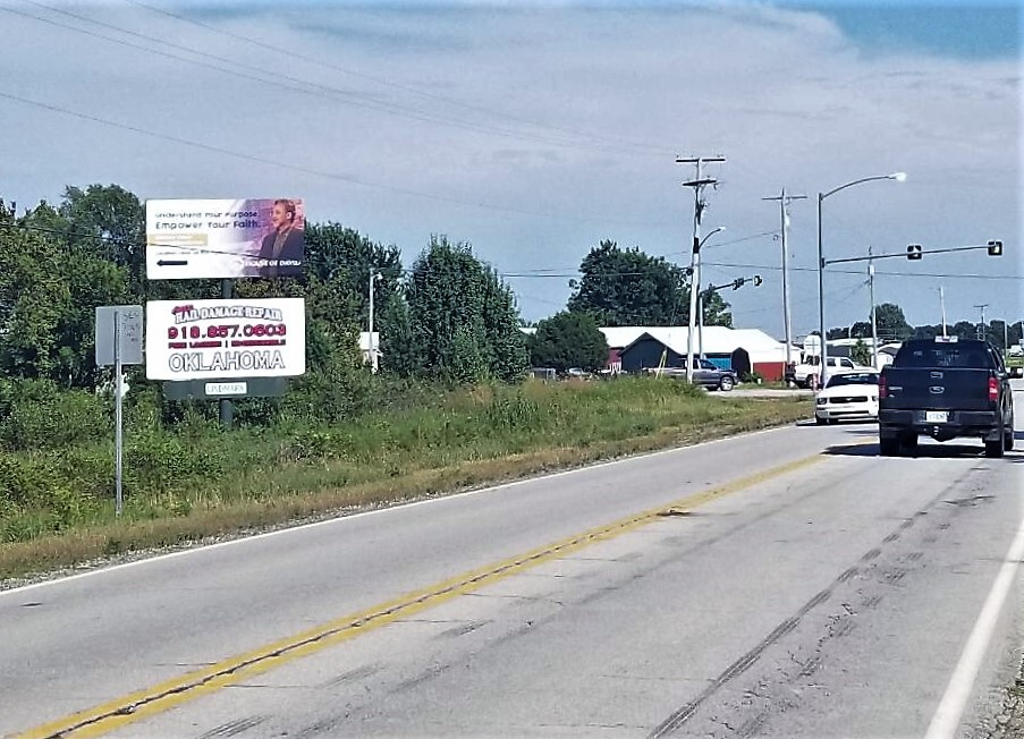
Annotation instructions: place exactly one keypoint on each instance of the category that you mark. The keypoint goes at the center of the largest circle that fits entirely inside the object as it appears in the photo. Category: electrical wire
(305, 170)
(287, 82)
(264, 46)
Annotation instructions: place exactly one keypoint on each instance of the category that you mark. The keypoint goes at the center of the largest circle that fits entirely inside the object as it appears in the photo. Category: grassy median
(191, 480)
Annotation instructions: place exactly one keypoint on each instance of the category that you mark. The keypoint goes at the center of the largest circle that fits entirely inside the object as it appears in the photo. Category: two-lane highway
(784, 583)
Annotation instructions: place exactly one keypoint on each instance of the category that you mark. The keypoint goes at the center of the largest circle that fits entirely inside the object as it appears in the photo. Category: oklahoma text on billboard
(218, 339)
(197, 239)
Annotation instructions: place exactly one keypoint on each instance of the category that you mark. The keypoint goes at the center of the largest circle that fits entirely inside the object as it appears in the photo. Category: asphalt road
(788, 583)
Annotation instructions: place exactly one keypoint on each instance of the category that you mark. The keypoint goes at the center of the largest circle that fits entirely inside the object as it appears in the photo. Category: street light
(823, 371)
(374, 276)
(735, 285)
(694, 290)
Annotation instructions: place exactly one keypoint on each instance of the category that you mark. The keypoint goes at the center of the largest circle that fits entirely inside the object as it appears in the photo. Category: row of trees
(892, 325)
(449, 317)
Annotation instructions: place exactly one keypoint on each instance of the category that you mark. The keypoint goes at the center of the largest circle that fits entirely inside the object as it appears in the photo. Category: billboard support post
(226, 407)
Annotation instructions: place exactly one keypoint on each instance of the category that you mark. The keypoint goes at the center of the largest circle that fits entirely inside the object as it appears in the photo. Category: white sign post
(118, 342)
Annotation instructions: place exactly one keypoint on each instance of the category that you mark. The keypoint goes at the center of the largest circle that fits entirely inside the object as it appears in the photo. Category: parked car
(806, 373)
(945, 388)
(847, 396)
(705, 373)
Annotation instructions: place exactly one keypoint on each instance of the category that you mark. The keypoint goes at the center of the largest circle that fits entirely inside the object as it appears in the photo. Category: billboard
(223, 239)
(220, 339)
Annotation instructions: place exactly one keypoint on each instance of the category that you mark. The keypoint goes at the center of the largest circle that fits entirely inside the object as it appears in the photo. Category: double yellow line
(159, 698)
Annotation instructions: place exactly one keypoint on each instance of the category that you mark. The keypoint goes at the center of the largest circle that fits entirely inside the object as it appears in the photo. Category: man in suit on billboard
(284, 243)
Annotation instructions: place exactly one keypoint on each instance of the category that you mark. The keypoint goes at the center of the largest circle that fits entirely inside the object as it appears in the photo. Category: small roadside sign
(250, 387)
(118, 342)
(118, 332)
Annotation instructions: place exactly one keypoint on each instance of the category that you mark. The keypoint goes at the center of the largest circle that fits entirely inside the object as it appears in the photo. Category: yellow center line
(163, 696)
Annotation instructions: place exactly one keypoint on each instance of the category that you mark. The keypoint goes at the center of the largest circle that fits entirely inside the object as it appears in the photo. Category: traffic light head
(995, 248)
(913, 251)
(737, 283)
(757, 280)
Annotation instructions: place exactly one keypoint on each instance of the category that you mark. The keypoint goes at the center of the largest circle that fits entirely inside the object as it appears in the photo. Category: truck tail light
(883, 388)
(993, 389)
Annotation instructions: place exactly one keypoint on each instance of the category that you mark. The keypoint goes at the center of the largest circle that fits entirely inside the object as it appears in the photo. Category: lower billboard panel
(225, 339)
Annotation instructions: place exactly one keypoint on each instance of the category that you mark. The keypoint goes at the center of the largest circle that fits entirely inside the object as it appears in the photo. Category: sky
(534, 130)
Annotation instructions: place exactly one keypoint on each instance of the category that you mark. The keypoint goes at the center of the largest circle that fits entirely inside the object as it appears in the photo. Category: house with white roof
(634, 348)
(744, 350)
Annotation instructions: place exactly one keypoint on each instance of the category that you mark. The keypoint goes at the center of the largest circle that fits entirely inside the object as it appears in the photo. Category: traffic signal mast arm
(735, 285)
(914, 251)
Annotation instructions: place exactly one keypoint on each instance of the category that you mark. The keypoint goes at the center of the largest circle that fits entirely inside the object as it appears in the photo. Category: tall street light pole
(823, 371)
(874, 319)
(787, 316)
(699, 205)
(695, 283)
(374, 276)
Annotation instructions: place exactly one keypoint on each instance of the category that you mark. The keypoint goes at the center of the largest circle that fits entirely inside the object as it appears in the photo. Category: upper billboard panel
(224, 239)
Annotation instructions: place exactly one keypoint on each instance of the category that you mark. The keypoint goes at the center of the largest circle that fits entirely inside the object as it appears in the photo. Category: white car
(848, 395)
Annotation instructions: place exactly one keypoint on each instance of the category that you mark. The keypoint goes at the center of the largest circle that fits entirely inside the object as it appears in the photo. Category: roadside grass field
(190, 481)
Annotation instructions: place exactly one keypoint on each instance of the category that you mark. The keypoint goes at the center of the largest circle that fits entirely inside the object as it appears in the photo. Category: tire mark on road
(679, 717)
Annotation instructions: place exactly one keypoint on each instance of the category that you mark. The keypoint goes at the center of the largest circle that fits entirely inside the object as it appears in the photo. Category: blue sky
(968, 29)
(535, 130)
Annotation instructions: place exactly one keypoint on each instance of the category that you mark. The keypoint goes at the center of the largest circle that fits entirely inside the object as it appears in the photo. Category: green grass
(197, 481)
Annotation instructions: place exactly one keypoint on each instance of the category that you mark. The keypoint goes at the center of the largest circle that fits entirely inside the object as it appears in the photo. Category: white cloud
(782, 93)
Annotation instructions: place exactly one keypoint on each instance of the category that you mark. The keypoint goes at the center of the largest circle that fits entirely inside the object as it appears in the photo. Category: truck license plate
(935, 416)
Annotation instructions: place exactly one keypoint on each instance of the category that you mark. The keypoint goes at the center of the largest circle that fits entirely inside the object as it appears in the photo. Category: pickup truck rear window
(943, 355)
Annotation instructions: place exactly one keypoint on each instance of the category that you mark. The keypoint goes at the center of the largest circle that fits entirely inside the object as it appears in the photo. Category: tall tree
(626, 287)
(567, 340)
(463, 320)
(860, 330)
(108, 222)
(344, 258)
(892, 324)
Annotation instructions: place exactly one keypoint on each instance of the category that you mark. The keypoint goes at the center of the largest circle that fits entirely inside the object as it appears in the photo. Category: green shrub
(162, 463)
(35, 414)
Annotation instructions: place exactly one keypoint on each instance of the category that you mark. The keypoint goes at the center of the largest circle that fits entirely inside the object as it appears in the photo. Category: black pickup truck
(945, 388)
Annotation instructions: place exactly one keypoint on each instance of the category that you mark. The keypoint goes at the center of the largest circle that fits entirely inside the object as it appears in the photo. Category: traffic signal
(738, 283)
(914, 251)
(995, 248)
(757, 280)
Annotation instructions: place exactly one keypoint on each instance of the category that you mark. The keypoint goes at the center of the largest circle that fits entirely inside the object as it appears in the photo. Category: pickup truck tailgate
(937, 389)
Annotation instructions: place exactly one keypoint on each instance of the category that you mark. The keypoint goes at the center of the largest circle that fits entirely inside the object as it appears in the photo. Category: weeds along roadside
(327, 446)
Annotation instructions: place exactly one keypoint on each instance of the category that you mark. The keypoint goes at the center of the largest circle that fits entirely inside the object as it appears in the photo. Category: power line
(264, 46)
(288, 82)
(304, 170)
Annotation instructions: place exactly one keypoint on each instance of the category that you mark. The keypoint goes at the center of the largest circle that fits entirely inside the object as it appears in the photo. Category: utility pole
(787, 315)
(698, 184)
(874, 322)
(700, 322)
(374, 276)
(982, 329)
(942, 309)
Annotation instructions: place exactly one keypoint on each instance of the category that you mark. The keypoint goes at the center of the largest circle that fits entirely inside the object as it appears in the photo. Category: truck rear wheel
(995, 447)
(888, 446)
